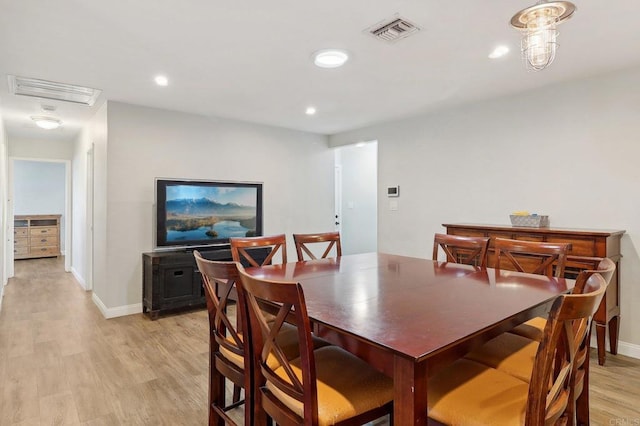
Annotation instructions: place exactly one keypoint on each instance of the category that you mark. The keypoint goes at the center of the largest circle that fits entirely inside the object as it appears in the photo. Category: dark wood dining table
(408, 316)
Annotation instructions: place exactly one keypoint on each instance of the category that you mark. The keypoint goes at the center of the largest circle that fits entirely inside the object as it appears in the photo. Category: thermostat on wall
(393, 191)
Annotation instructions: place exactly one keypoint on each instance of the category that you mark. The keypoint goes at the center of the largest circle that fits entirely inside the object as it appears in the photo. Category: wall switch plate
(393, 205)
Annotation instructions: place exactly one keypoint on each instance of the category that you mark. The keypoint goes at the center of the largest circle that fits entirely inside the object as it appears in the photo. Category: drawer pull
(44, 240)
(178, 273)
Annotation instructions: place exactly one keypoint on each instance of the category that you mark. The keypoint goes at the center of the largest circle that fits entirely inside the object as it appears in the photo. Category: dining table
(409, 317)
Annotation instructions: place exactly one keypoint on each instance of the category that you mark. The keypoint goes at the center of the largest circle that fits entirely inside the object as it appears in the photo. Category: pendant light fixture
(538, 26)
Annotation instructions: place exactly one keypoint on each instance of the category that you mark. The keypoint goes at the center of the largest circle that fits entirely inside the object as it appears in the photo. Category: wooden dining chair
(241, 249)
(302, 240)
(534, 328)
(531, 256)
(462, 249)
(515, 354)
(226, 345)
(324, 386)
(471, 392)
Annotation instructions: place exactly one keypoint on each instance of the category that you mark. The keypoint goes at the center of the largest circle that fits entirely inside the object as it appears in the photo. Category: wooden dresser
(584, 242)
(36, 236)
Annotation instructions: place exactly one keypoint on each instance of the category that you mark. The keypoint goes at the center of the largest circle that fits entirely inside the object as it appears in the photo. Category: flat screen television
(197, 213)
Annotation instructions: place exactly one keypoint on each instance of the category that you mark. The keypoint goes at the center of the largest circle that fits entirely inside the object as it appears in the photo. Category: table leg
(410, 392)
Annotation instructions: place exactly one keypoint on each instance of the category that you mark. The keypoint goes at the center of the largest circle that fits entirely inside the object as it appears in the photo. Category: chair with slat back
(226, 346)
(462, 249)
(532, 256)
(241, 249)
(326, 385)
(534, 330)
(469, 391)
(302, 240)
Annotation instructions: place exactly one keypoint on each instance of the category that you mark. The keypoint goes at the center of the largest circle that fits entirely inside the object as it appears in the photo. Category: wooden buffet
(584, 242)
(36, 236)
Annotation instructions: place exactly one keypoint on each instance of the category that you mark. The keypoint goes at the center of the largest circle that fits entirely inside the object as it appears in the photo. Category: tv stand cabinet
(171, 280)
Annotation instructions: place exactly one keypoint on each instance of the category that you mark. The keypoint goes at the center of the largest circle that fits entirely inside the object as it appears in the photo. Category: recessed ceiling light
(46, 122)
(498, 52)
(310, 110)
(330, 58)
(161, 80)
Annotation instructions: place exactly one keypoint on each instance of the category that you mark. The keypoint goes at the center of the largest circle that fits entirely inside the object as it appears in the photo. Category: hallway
(62, 363)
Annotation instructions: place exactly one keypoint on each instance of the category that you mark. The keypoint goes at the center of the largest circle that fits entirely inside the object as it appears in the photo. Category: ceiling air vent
(393, 29)
(51, 90)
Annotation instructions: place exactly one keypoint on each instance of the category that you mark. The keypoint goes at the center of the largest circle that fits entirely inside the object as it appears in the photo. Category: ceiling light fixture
(498, 52)
(538, 26)
(47, 123)
(310, 110)
(161, 80)
(330, 58)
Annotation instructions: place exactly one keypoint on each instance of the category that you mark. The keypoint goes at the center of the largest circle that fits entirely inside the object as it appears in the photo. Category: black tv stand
(171, 280)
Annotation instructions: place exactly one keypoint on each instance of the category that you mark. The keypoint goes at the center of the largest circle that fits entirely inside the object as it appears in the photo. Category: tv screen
(199, 213)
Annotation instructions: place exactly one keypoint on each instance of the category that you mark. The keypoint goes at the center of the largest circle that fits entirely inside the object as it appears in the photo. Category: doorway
(356, 196)
(40, 187)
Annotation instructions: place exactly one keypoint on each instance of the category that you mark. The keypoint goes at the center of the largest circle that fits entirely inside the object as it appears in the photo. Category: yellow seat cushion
(509, 353)
(471, 394)
(532, 329)
(288, 341)
(347, 386)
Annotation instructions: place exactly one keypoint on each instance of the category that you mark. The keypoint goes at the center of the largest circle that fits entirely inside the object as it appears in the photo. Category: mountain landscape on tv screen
(202, 219)
(205, 206)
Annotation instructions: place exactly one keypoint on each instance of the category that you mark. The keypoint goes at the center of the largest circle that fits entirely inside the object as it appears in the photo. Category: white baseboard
(627, 349)
(119, 311)
(78, 278)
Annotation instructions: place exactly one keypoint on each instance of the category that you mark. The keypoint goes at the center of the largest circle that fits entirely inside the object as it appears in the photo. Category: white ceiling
(250, 59)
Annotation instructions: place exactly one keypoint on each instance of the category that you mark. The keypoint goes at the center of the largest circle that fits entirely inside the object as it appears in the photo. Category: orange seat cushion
(472, 394)
(509, 353)
(347, 386)
(532, 329)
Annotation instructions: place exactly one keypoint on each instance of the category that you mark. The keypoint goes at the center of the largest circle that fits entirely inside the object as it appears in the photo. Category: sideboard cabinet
(584, 243)
(36, 236)
(171, 280)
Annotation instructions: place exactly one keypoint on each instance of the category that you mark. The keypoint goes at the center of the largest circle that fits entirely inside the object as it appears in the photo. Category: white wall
(42, 149)
(39, 188)
(95, 132)
(145, 143)
(570, 151)
(3, 211)
(359, 221)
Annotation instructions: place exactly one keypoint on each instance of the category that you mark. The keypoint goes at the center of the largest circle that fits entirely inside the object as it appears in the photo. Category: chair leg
(582, 403)
(216, 397)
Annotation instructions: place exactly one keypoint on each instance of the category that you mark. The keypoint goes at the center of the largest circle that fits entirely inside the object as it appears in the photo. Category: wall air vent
(393, 29)
(51, 90)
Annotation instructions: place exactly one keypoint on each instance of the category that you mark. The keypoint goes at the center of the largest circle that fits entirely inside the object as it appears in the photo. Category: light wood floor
(62, 363)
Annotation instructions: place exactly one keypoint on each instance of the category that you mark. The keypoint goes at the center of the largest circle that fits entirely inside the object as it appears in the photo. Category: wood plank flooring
(62, 363)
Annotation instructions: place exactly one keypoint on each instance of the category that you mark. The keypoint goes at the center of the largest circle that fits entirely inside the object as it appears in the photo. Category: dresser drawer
(20, 232)
(20, 242)
(44, 251)
(579, 246)
(20, 250)
(36, 231)
(44, 240)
